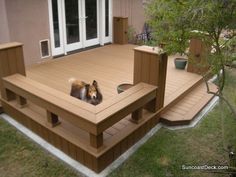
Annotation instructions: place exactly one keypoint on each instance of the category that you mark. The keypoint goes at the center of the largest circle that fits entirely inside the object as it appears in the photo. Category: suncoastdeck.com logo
(204, 167)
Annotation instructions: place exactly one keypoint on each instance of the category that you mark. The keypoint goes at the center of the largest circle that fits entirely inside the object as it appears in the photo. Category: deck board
(105, 64)
(110, 65)
(187, 108)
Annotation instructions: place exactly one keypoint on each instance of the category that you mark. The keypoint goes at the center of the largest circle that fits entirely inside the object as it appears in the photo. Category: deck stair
(185, 107)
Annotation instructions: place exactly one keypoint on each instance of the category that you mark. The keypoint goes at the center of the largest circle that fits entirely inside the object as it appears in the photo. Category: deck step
(184, 111)
(181, 92)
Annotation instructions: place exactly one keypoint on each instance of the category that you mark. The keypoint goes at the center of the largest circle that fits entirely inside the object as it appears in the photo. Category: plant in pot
(170, 29)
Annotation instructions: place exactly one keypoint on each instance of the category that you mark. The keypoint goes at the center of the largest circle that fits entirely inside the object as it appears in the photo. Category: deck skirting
(96, 161)
(1, 110)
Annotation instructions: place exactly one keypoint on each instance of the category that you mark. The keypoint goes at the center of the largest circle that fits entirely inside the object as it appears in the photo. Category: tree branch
(219, 94)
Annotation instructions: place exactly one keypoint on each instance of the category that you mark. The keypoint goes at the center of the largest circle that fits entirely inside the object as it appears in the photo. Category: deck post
(197, 59)
(52, 119)
(137, 115)
(21, 101)
(11, 62)
(150, 67)
(96, 141)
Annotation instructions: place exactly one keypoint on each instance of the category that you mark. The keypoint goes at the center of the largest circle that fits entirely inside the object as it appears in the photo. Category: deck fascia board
(10, 45)
(118, 111)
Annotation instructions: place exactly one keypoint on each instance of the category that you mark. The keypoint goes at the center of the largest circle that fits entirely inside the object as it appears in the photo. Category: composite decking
(110, 66)
(185, 109)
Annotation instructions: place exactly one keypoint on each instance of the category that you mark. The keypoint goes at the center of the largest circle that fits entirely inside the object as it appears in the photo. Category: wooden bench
(93, 119)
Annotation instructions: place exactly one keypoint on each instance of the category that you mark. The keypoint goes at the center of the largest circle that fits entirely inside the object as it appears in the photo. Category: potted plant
(170, 29)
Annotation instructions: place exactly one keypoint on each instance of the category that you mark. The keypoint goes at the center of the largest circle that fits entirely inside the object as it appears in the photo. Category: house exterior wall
(28, 22)
(133, 9)
(4, 31)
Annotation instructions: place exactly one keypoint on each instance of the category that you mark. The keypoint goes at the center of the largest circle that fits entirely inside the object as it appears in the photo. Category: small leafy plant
(170, 25)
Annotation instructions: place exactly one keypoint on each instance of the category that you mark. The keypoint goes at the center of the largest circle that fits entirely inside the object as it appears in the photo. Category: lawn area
(163, 154)
(20, 157)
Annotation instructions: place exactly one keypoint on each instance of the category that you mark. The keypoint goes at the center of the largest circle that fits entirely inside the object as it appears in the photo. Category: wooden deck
(185, 93)
(110, 66)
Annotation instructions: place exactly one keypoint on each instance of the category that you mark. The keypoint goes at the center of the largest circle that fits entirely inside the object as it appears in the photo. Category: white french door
(107, 21)
(91, 22)
(72, 24)
(76, 24)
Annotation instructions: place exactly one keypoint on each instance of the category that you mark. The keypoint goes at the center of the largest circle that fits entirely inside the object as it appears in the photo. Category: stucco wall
(4, 32)
(28, 23)
(133, 9)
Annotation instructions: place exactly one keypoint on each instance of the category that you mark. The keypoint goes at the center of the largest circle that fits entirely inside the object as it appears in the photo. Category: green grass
(19, 157)
(163, 154)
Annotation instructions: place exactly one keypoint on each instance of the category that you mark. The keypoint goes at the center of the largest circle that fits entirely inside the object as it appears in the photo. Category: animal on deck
(89, 93)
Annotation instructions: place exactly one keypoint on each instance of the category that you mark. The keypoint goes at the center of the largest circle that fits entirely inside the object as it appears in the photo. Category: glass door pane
(91, 19)
(106, 18)
(55, 19)
(72, 21)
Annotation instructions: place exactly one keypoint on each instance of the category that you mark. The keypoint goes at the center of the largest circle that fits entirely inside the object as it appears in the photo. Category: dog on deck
(89, 93)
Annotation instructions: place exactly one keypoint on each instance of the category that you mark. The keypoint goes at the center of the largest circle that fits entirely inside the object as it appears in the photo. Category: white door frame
(56, 50)
(95, 41)
(76, 45)
(101, 38)
(108, 39)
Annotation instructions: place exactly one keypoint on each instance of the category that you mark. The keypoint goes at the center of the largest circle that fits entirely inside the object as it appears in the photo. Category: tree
(217, 17)
(170, 24)
(173, 22)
